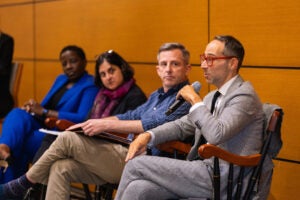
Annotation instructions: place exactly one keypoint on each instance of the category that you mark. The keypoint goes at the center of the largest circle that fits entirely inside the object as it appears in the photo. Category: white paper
(52, 132)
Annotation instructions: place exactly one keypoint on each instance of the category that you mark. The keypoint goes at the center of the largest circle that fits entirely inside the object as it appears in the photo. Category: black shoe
(37, 192)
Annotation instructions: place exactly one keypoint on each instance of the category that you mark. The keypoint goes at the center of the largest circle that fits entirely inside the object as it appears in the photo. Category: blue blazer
(77, 101)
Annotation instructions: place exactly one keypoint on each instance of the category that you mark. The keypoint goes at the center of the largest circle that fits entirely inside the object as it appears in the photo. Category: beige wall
(269, 30)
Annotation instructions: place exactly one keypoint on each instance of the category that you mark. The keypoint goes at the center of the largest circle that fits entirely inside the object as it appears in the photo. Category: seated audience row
(230, 117)
(173, 68)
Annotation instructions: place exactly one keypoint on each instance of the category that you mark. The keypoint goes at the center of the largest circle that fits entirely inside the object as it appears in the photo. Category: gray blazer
(236, 127)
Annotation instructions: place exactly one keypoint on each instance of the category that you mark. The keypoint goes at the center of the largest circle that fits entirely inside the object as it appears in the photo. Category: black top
(6, 55)
(130, 101)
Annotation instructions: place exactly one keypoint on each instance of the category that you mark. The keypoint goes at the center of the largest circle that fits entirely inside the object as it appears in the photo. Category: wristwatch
(45, 112)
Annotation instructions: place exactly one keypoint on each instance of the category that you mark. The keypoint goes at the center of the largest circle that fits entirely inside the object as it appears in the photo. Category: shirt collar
(173, 89)
(223, 90)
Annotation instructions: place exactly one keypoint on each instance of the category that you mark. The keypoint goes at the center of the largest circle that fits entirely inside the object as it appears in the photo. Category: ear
(234, 62)
(84, 63)
(188, 69)
(157, 69)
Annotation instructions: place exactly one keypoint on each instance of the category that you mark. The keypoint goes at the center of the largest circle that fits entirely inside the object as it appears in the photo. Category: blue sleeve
(133, 114)
(76, 103)
(85, 104)
(160, 118)
(152, 113)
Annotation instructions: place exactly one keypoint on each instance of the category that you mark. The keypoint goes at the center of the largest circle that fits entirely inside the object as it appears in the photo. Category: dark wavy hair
(115, 59)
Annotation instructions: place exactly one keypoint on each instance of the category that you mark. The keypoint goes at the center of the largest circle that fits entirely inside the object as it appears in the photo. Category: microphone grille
(197, 86)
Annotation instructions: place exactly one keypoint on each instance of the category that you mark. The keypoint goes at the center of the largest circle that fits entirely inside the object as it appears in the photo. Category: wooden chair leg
(87, 191)
(109, 193)
(98, 192)
(105, 191)
(43, 192)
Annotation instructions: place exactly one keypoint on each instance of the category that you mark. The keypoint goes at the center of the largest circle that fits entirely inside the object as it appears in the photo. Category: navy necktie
(212, 108)
(214, 100)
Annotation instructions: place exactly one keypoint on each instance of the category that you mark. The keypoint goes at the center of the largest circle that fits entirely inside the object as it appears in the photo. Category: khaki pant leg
(101, 158)
(62, 173)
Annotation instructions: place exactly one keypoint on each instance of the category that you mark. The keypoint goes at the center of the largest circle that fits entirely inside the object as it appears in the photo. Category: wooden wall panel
(12, 2)
(285, 183)
(150, 82)
(269, 30)
(275, 86)
(27, 88)
(18, 22)
(134, 29)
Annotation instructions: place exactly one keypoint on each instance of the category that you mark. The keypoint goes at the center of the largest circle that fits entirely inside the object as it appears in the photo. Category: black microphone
(179, 101)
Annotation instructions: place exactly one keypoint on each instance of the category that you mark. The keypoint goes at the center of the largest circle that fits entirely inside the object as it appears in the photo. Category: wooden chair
(176, 148)
(15, 80)
(256, 161)
(271, 146)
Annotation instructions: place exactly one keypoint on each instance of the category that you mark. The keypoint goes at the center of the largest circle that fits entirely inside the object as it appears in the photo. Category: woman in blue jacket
(70, 97)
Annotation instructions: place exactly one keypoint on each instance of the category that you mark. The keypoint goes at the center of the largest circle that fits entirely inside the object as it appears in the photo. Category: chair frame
(15, 79)
(207, 151)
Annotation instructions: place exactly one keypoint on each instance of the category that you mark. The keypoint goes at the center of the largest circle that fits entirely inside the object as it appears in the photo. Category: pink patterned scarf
(106, 100)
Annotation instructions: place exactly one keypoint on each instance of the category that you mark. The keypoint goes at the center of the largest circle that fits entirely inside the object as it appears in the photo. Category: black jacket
(6, 55)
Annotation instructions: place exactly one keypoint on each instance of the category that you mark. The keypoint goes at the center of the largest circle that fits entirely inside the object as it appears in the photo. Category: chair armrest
(50, 122)
(60, 124)
(209, 150)
(172, 146)
(63, 124)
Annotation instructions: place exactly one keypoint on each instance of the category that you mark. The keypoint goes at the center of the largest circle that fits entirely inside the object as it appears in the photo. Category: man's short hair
(233, 47)
(174, 45)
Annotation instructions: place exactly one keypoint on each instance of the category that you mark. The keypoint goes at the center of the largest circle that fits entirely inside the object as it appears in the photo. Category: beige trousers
(77, 158)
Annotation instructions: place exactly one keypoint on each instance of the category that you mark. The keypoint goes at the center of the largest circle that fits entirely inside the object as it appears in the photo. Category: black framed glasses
(210, 59)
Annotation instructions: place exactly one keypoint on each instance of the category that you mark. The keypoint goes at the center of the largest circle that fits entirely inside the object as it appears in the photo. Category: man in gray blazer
(236, 125)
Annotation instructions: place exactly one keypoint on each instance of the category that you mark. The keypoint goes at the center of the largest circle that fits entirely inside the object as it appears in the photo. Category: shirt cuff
(196, 105)
(150, 144)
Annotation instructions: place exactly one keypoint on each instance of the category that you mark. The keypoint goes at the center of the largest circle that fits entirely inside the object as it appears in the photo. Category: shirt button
(154, 108)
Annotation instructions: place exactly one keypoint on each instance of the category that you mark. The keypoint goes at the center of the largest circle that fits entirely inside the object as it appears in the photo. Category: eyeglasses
(106, 52)
(210, 59)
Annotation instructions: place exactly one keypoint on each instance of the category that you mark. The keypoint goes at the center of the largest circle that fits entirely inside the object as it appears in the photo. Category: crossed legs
(77, 158)
(150, 177)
